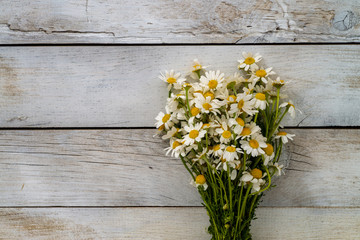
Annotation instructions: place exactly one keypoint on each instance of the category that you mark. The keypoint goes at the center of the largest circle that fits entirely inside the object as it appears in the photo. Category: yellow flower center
(197, 67)
(269, 149)
(171, 80)
(194, 111)
(253, 143)
(226, 134)
(231, 98)
(194, 134)
(213, 84)
(241, 104)
(207, 106)
(200, 179)
(240, 121)
(245, 132)
(230, 149)
(223, 160)
(260, 96)
(176, 144)
(162, 127)
(209, 94)
(291, 105)
(260, 73)
(256, 173)
(216, 147)
(249, 61)
(166, 118)
(281, 133)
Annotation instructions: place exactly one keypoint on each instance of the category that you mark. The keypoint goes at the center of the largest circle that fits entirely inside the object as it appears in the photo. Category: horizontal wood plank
(119, 86)
(173, 223)
(129, 168)
(186, 21)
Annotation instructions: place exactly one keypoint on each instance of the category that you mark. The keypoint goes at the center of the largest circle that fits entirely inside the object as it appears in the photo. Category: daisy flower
(206, 105)
(224, 132)
(216, 150)
(176, 148)
(249, 61)
(195, 134)
(291, 106)
(212, 80)
(254, 145)
(173, 79)
(237, 124)
(262, 74)
(278, 168)
(231, 153)
(249, 130)
(278, 83)
(255, 176)
(164, 119)
(200, 181)
(244, 103)
(260, 101)
(171, 133)
(284, 136)
(269, 153)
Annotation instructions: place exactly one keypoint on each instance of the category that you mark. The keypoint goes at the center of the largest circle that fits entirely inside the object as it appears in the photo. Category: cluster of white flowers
(228, 122)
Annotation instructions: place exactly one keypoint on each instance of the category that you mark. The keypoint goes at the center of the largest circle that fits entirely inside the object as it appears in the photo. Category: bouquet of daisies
(226, 131)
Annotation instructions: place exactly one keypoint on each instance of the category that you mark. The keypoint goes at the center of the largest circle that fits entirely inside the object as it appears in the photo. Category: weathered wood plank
(119, 86)
(189, 21)
(128, 168)
(173, 223)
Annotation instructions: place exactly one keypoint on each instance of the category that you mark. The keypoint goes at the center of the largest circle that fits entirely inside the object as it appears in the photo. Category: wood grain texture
(185, 21)
(173, 223)
(119, 86)
(129, 168)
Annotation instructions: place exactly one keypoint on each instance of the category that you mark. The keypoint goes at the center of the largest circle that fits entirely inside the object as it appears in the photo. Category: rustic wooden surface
(86, 86)
(129, 168)
(172, 223)
(185, 21)
(116, 183)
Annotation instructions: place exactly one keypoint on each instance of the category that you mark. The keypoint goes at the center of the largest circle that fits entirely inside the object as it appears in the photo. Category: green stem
(256, 115)
(230, 187)
(187, 168)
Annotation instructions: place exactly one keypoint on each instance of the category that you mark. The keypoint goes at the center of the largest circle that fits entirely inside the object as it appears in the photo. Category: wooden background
(79, 93)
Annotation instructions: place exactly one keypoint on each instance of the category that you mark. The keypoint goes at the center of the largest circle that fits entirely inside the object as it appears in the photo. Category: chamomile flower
(231, 153)
(212, 80)
(200, 181)
(278, 83)
(216, 150)
(254, 145)
(269, 153)
(255, 176)
(176, 148)
(225, 133)
(173, 79)
(164, 119)
(195, 134)
(171, 133)
(260, 101)
(244, 103)
(284, 136)
(291, 106)
(206, 105)
(276, 167)
(237, 124)
(262, 74)
(249, 130)
(249, 61)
